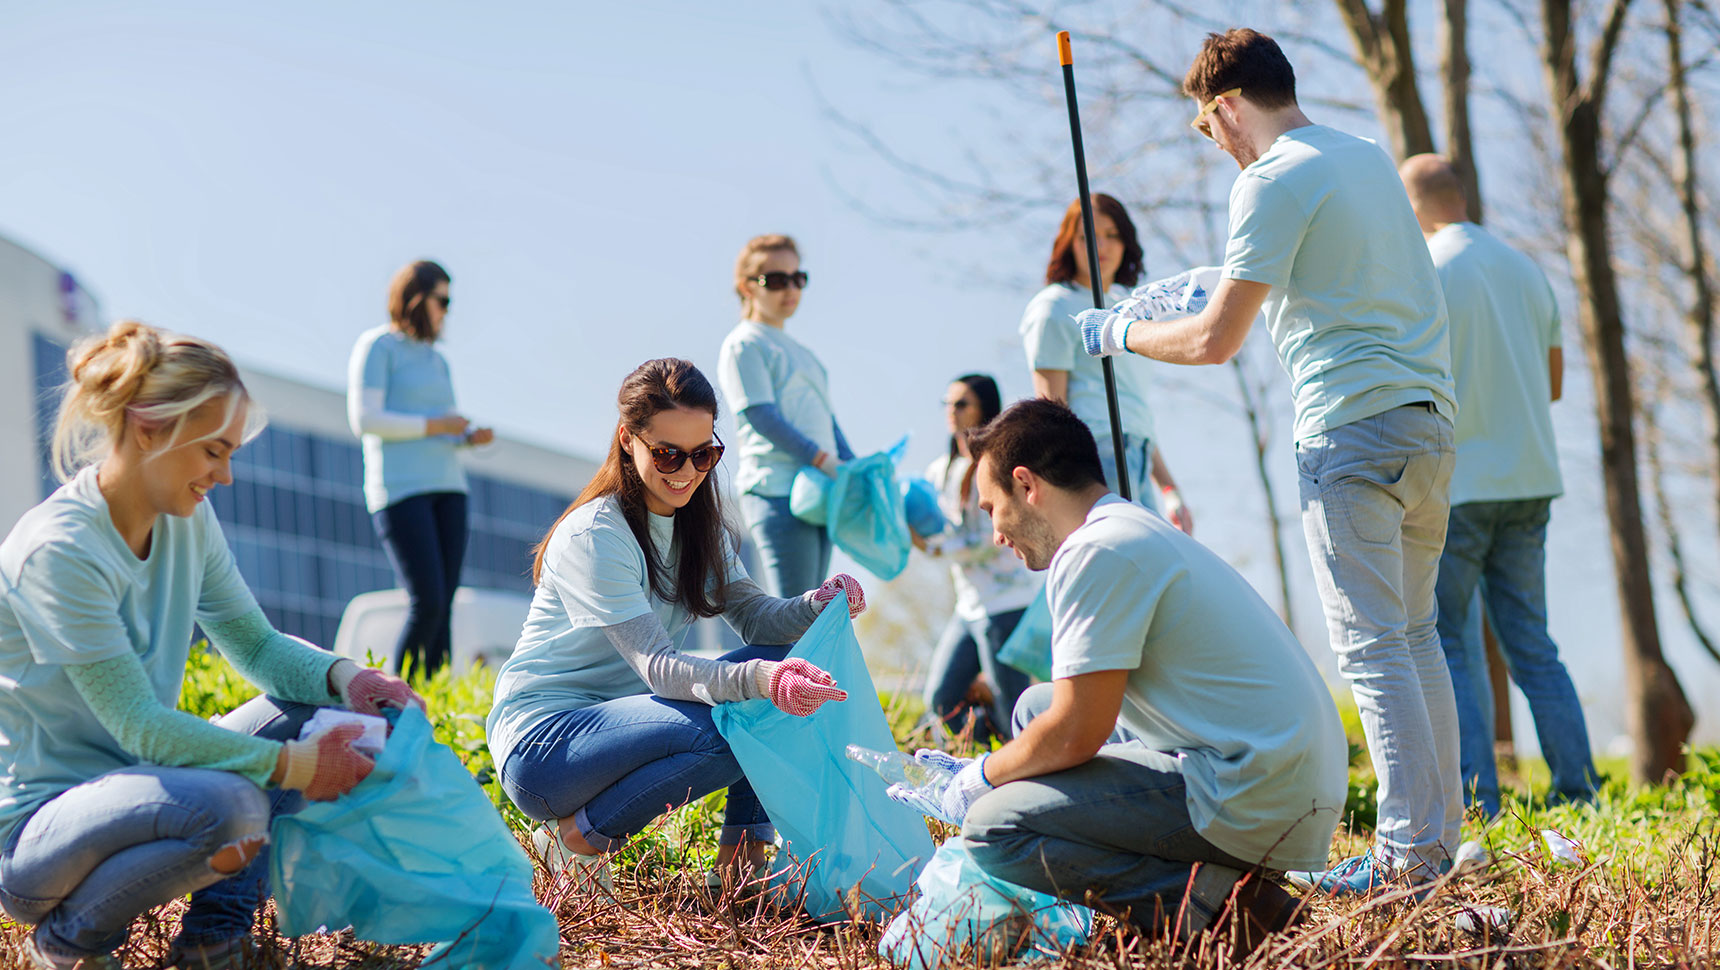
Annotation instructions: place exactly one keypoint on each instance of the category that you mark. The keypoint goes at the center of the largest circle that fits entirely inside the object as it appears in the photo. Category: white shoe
(588, 870)
(41, 961)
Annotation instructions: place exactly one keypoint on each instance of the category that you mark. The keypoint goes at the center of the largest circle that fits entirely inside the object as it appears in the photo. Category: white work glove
(1176, 510)
(963, 790)
(1105, 333)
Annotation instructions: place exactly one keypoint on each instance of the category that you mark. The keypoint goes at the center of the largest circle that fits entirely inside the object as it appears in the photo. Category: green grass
(1648, 895)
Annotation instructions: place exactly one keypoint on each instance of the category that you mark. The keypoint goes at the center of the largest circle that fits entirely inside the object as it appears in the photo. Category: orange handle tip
(1065, 56)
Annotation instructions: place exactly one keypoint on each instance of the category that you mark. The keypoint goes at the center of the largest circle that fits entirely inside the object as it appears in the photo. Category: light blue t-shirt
(593, 577)
(1216, 680)
(762, 364)
(72, 592)
(1053, 342)
(1504, 321)
(414, 379)
(1355, 309)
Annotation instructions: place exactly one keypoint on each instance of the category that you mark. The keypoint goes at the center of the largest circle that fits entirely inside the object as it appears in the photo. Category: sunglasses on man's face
(1200, 123)
(669, 460)
(782, 281)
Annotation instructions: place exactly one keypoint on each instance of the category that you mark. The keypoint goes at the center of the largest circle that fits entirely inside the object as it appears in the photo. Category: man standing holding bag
(1323, 239)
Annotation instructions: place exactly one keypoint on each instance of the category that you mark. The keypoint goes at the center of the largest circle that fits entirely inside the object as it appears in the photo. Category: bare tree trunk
(1454, 70)
(1652, 443)
(1275, 522)
(1383, 45)
(1659, 714)
(1701, 316)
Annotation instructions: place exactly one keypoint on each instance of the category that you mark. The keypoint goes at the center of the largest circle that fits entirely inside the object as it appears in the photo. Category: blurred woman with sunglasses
(780, 396)
(400, 402)
(1063, 372)
(993, 587)
(599, 720)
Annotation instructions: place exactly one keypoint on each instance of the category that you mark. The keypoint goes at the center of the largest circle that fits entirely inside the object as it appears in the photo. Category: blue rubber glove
(963, 790)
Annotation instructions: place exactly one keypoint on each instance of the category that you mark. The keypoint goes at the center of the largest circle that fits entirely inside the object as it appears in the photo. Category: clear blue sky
(586, 172)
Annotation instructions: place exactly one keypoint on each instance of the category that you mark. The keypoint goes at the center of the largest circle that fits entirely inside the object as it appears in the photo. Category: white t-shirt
(1216, 680)
(1053, 342)
(593, 577)
(988, 578)
(761, 364)
(1504, 322)
(1355, 310)
(72, 592)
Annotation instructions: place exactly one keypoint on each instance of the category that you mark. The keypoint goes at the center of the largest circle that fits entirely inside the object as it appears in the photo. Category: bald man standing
(1508, 363)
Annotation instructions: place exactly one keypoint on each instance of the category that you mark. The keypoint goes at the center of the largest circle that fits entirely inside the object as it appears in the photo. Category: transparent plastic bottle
(897, 768)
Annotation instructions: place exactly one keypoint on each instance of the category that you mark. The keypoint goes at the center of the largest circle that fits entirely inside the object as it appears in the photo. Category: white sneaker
(41, 961)
(592, 870)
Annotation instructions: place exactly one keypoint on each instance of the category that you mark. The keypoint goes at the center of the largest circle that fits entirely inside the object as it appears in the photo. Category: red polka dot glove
(325, 766)
(797, 687)
(369, 690)
(841, 583)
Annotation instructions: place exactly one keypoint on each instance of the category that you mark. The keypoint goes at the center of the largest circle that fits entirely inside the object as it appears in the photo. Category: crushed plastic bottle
(897, 768)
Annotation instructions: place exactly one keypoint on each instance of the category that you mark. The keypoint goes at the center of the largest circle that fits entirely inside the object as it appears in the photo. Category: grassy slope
(1649, 893)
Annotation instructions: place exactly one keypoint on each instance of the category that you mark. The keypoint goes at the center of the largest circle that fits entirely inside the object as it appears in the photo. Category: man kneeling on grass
(1187, 745)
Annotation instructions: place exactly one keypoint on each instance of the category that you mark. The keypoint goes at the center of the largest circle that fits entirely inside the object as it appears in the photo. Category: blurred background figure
(993, 587)
(780, 396)
(1062, 372)
(400, 402)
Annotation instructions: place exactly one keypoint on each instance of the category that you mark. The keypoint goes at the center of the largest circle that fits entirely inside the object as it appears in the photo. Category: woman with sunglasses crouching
(400, 402)
(600, 722)
(111, 801)
(784, 421)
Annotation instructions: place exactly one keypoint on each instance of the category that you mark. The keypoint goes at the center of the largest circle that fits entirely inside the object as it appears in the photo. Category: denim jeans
(1375, 500)
(425, 538)
(1501, 546)
(92, 859)
(616, 766)
(793, 555)
(966, 650)
(1138, 451)
(1113, 832)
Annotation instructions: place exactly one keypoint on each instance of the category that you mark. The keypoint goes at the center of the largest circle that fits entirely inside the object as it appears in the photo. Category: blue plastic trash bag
(960, 906)
(864, 512)
(415, 854)
(809, 496)
(920, 505)
(851, 842)
(1028, 649)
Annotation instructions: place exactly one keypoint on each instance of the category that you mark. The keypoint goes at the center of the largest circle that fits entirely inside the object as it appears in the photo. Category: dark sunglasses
(782, 281)
(961, 404)
(669, 460)
(445, 301)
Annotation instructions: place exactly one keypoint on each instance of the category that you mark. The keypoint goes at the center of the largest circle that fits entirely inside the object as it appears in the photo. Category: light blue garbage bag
(960, 906)
(809, 496)
(415, 854)
(1028, 648)
(920, 505)
(864, 512)
(850, 842)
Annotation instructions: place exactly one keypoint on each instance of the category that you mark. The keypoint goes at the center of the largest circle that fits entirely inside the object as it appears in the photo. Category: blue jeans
(793, 555)
(1114, 832)
(1138, 451)
(1375, 501)
(95, 857)
(966, 650)
(425, 538)
(1501, 546)
(616, 766)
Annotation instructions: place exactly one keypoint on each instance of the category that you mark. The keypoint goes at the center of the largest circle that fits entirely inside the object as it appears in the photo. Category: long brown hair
(407, 294)
(700, 532)
(1061, 268)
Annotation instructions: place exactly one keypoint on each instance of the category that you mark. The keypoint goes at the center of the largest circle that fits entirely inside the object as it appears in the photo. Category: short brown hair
(406, 298)
(1246, 59)
(1061, 268)
(1043, 437)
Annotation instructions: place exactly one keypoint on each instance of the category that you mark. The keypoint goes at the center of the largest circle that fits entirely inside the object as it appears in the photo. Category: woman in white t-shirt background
(599, 719)
(780, 395)
(993, 587)
(1063, 372)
